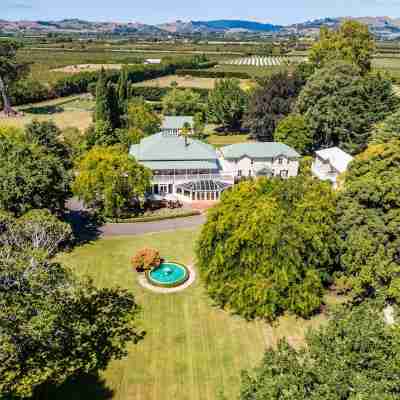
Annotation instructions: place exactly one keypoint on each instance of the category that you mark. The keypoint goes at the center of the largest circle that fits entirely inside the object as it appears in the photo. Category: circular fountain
(168, 275)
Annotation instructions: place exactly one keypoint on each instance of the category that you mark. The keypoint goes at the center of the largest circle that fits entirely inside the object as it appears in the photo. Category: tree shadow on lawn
(85, 226)
(86, 387)
(45, 110)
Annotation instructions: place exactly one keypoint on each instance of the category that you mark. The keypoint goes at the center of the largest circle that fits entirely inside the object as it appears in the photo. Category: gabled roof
(164, 147)
(176, 122)
(258, 150)
(336, 157)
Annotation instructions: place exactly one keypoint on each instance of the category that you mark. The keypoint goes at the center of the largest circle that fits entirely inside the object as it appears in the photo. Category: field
(74, 111)
(186, 82)
(264, 62)
(192, 351)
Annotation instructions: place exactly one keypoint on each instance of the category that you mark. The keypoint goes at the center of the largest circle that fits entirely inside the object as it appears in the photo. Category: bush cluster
(157, 93)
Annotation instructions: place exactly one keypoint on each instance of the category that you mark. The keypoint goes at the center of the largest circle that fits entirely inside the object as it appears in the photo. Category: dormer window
(280, 160)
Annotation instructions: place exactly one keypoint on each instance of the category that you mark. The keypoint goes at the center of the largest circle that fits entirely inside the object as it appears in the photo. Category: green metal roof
(176, 122)
(162, 165)
(258, 150)
(164, 147)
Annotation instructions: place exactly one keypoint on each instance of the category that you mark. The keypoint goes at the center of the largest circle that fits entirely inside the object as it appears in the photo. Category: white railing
(195, 177)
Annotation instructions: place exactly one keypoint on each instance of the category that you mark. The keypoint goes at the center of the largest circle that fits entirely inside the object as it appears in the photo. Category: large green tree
(294, 132)
(269, 247)
(109, 180)
(141, 116)
(270, 102)
(352, 43)
(54, 326)
(181, 102)
(369, 220)
(340, 106)
(10, 71)
(354, 357)
(227, 103)
(387, 130)
(30, 176)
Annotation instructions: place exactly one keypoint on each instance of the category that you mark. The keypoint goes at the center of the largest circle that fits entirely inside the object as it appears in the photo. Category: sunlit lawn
(192, 350)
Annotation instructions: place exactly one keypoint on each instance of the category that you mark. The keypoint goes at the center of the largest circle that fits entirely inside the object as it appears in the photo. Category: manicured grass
(192, 350)
(74, 111)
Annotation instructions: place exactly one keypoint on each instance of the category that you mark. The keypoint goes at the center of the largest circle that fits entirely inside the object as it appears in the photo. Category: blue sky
(156, 11)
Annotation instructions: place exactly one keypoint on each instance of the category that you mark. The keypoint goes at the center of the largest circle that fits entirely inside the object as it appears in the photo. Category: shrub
(146, 259)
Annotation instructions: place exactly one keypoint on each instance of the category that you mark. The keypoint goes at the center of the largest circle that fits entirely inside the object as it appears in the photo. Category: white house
(330, 163)
(174, 125)
(260, 159)
(191, 170)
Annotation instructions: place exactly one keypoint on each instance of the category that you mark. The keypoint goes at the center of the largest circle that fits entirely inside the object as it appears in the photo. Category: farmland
(75, 111)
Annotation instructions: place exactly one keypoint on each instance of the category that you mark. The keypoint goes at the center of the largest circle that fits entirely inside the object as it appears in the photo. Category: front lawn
(192, 350)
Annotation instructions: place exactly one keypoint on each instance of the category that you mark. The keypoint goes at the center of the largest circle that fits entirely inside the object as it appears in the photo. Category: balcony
(225, 177)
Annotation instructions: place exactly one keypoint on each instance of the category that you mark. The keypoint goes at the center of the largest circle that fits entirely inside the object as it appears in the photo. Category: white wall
(250, 169)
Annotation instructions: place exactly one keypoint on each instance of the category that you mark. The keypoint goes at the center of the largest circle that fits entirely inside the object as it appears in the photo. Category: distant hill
(381, 26)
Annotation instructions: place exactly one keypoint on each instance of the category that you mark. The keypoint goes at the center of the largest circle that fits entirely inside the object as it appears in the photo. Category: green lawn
(225, 140)
(192, 350)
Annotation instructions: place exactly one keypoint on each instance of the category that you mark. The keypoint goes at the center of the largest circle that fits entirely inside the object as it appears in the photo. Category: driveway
(88, 230)
(140, 228)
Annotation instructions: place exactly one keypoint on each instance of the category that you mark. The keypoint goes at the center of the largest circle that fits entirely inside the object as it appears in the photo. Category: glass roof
(204, 186)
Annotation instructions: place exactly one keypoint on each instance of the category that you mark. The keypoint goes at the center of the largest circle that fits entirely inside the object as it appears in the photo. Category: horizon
(286, 13)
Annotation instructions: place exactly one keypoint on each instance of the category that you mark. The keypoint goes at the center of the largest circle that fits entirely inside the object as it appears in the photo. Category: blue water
(168, 273)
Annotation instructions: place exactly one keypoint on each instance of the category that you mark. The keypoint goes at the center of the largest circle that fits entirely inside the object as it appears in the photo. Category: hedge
(30, 91)
(153, 218)
(157, 93)
(212, 74)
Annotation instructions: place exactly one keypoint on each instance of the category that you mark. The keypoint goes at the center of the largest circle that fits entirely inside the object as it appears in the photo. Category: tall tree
(10, 71)
(102, 109)
(108, 179)
(269, 247)
(30, 176)
(352, 42)
(387, 130)
(141, 116)
(227, 103)
(55, 326)
(271, 102)
(340, 106)
(294, 132)
(355, 356)
(123, 89)
(181, 102)
(369, 220)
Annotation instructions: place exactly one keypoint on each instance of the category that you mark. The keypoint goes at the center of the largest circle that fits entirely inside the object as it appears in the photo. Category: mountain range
(384, 26)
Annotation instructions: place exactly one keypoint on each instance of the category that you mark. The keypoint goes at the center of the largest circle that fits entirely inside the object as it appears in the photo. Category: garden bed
(156, 216)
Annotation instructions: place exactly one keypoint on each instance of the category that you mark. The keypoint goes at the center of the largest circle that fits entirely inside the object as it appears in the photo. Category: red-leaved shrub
(146, 259)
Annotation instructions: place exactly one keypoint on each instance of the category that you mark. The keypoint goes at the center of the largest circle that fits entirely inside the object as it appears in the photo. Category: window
(280, 160)
(239, 172)
(252, 162)
(284, 173)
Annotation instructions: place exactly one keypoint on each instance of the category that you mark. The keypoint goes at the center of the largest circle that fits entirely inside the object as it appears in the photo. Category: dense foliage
(109, 180)
(181, 102)
(30, 175)
(294, 132)
(271, 102)
(369, 220)
(354, 357)
(53, 326)
(10, 70)
(352, 42)
(340, 106)
(387, 130)
(227, 103)
(269, 247)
